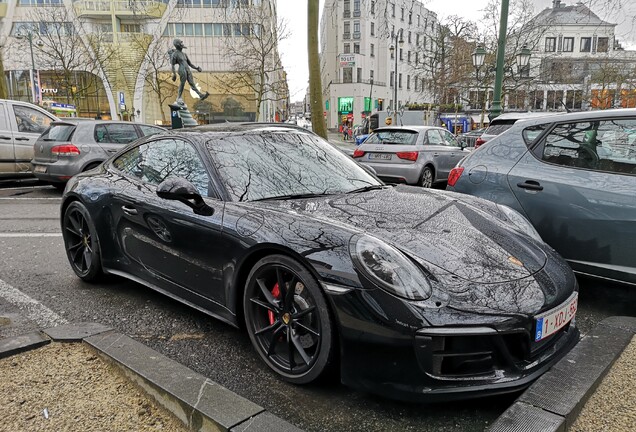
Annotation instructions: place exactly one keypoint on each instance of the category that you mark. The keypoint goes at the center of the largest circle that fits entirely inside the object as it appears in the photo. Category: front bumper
(404, 358)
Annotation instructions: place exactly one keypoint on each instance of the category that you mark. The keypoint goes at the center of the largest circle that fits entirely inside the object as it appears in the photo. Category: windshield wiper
(292, 196)
(367, 188)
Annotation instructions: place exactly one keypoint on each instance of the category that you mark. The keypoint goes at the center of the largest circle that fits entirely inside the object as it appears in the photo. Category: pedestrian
(345, 131)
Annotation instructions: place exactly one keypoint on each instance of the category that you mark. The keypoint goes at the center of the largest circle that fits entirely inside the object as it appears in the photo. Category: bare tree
(256, 69)
(62, 51)
(315, 85)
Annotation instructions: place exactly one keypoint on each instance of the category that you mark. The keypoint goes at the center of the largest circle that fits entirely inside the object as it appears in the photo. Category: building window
(356, 26)
(418, 20)
(408, 82)
(410, 17)
(347, 9)
(602, 44)
(586, 44)
(568, 44)
(373, 7)
(417, 39)
(347, 30)
(415, 81)
(356, 48)
(408, 57)
(550, 44)
(392, 78)
(347, 48)
(402, 14)
(372, 50)
(359, 75)
(400, 80)
(409, 38)
(347, 75)
(372, 29)
(401, 52)
(393, 10)
(356, 7)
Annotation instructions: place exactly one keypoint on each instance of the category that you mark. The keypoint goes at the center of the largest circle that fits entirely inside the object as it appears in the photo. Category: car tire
(291, 331)
(427, 178)
(81, 242)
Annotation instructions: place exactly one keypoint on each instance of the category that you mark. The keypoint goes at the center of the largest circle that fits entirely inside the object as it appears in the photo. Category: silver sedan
(416, 155)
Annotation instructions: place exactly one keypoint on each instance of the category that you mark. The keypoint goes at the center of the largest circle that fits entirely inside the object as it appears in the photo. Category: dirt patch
(68, 387)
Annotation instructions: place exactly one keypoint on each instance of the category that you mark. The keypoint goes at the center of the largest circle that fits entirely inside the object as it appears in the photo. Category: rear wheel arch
(430, 166)
(91, 165)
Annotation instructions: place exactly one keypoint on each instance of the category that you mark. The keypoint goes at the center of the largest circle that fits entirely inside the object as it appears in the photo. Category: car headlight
(389, 268)
(521, 223)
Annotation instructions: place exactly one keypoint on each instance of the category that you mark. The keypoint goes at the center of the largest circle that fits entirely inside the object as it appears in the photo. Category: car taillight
(358, 153)
(454, 175)
(412, 156)
(65, 150)
(479, 142)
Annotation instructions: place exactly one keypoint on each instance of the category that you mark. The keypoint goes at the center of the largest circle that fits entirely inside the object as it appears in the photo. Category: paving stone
(521, 417)
(265, 422)
(15, 344)
(75, 332)
(564, 389)
(196, 400)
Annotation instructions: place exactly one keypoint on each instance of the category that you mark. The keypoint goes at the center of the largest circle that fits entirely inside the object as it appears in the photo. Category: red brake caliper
(276, 294)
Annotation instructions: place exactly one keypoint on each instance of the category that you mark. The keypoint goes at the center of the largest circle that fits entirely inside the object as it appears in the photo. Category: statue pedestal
(181, 117)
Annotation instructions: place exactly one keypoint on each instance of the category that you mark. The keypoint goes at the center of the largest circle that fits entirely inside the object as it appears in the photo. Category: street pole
(370, 108)
(495, 108)
(35, 100)
(395, 82)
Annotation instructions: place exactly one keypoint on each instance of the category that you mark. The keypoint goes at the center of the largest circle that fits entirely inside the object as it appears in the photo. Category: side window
(101, 135)
(450, 139)
(120, 133)
(30, 120)
(150, 130)
(434, 138)
(600, 146)
(155, 161)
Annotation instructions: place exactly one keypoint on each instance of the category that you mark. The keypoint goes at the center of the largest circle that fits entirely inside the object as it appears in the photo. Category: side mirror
(179, 189)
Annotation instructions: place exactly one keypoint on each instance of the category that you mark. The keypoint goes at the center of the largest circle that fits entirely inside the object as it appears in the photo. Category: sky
(294, 12)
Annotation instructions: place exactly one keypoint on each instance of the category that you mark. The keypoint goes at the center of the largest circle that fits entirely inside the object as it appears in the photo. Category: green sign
(345, 105)
(367, 104)
(327, 104)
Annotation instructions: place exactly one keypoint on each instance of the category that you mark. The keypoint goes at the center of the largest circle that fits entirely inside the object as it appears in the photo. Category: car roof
(521, 116)
(241, 127)
(581, 115)
(407, 128)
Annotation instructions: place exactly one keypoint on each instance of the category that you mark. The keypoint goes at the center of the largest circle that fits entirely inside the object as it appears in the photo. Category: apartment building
(110, 57)
(359, 71)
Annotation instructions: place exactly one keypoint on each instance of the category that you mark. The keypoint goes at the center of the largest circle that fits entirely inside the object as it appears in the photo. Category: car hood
(437, 229)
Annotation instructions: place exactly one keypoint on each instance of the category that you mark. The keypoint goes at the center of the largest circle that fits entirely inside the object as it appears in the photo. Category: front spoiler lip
(467, 391)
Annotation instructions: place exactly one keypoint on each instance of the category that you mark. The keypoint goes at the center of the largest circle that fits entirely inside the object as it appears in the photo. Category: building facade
(110, 58)
(359, 71)
(576, 64)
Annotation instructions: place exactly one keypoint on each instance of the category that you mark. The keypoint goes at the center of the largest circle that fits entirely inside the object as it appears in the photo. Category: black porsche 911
(413, 294)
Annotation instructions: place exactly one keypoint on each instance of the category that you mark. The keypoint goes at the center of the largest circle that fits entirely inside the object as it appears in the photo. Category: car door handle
(22, 139)
(130, 211)
(530, 185)
(5, 137)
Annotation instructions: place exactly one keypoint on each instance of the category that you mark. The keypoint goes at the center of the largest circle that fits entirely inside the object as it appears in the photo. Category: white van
(503, 122)
(21, 123)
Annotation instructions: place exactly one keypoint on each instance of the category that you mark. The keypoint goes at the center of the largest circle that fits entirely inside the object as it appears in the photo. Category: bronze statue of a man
(178, 57)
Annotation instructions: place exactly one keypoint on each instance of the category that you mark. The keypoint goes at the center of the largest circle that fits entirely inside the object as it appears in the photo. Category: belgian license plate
(380, 156)
(39, 168)
(555, 319)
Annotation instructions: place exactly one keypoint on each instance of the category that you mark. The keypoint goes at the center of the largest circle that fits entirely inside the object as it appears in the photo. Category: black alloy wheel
(80, 242)
(426, 180)
(288, 320)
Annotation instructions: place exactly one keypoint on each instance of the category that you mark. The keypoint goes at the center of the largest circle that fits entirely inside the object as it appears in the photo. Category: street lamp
(39, 43)
(395, 41)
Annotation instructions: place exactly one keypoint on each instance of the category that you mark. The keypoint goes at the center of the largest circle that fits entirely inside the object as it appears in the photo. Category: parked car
(574, 177)
(71, 146)
(503, 122)
(469, 139)
(414, 294)
(21, 123)
(416, 155)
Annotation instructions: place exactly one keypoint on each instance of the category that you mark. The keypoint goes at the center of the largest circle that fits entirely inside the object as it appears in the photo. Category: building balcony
(346, 36)
(346, 14)
(121, 8)
(356, 13)
(356, 35)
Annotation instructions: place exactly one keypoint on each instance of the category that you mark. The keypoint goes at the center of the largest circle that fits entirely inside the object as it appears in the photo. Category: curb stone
(200, 403)
(544, 406)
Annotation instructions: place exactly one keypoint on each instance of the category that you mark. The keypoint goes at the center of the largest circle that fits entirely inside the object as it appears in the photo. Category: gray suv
(71, 146)
(416, 155)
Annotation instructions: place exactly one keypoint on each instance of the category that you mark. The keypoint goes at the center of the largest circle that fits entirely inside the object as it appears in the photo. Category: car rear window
(499, 127)
(530, 134)
(402, 137)
(58, 132)
(117, 133)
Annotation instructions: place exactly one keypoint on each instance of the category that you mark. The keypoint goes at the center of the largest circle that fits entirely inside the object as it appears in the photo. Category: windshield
(58, 132)
(401, 137)
(269, 165)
